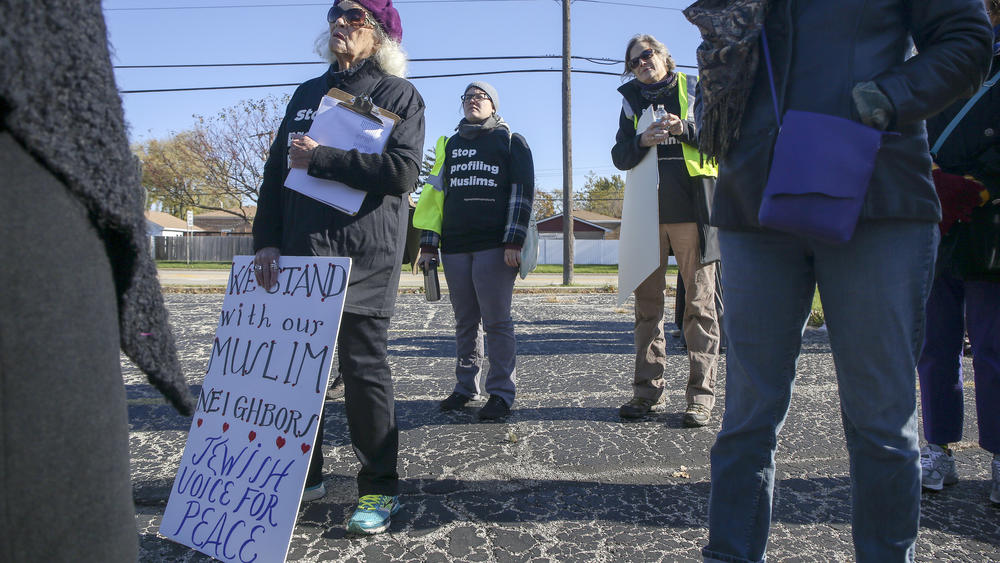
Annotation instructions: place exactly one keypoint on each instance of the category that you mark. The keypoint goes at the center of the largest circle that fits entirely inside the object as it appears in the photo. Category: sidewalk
(174, 279)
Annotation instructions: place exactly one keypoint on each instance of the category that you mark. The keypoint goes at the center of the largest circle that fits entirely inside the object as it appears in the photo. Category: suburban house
(160, 224)
(222, 222)
(587, 225)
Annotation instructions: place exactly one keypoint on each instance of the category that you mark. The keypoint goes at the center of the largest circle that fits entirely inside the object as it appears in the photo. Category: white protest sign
(237, 491)
(639, 239)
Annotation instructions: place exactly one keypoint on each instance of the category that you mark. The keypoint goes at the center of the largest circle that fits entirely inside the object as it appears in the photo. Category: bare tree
(219, 164)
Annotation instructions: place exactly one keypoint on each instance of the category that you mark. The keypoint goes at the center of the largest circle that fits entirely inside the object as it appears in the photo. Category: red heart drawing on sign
(280, 442)
(305, 448)
(252, 435)
(225, 426)
(199, 422)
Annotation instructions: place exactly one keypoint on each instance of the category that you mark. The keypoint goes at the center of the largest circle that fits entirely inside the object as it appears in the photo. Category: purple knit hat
(385, 14)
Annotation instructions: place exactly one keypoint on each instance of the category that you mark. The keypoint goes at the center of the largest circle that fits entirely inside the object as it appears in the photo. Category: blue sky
(284, 31)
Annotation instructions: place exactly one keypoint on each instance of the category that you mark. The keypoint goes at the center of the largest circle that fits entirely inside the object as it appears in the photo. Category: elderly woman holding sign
(362, 44)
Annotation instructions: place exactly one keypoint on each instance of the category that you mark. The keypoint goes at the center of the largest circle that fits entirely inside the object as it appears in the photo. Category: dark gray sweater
(59, 100)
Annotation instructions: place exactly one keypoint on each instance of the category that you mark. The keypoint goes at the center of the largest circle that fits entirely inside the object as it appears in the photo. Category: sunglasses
(643, 56)
(355, 17)
(478, 96)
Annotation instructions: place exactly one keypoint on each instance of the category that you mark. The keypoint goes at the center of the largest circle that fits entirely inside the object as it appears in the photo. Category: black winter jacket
(819, 51)
(375, 236)
(973, 148)
(626, 154)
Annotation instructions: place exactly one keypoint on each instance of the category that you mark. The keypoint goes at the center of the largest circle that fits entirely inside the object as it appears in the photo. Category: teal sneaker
(373, 515)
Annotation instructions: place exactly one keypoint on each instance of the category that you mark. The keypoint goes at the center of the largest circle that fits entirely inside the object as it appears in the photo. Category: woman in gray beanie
(477, 210)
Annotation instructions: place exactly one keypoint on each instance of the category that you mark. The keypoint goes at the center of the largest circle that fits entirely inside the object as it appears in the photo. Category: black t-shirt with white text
(477, 176)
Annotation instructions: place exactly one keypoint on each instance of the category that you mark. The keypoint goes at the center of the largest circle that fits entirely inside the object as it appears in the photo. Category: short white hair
(389, 56)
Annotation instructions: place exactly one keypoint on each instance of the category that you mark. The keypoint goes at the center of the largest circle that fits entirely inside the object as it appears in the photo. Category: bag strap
(961, 114)
(770, 74)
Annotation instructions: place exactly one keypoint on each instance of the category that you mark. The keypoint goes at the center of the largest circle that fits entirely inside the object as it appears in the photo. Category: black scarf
(727, 63)
(338, 76)
(469, 130)
(655, 91)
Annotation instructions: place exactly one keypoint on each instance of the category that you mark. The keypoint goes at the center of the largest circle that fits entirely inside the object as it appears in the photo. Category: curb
(197, 289)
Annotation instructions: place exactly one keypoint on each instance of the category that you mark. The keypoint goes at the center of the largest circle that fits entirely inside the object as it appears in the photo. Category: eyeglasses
(355, 17)
(643, 56)
(477, 97)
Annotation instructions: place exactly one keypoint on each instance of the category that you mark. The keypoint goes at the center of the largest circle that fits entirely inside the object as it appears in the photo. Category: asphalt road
(563, 479)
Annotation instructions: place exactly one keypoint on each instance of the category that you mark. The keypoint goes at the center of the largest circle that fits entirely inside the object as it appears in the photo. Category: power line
(629, 4)
(453, 75)
(294, 5)
(595, 60)
(245, 86)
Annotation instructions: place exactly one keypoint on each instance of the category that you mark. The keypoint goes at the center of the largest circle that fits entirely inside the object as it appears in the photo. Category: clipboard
(362, 105)
(345, 122)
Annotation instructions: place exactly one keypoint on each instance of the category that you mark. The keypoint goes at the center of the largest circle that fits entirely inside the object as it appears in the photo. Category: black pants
(371, 413)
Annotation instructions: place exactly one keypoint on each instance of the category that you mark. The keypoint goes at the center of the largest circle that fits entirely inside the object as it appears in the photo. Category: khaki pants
(701, 327)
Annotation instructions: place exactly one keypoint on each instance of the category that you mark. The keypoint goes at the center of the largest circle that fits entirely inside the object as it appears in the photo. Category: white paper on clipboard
(336, 126)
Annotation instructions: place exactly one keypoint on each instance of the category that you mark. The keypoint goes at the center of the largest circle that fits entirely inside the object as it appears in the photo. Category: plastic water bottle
(432, 287)
(660, 114)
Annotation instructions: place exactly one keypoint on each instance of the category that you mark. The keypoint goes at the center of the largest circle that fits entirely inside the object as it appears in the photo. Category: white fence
(550, 251)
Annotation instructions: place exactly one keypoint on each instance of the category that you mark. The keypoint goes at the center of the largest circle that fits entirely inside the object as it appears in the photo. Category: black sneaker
(696, 415)
(336, 389)
(639, 407)
(455, 401)
(494, 409)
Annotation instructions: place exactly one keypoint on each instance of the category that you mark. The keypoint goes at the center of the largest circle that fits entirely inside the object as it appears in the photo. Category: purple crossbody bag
(820, 171)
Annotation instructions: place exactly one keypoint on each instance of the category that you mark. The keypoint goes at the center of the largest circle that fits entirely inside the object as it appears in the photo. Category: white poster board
(639, 246)
(237, 490)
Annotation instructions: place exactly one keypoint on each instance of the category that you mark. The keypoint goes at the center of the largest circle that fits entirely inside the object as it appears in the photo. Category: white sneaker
(995, 490)
(937, 466)
(315, 492)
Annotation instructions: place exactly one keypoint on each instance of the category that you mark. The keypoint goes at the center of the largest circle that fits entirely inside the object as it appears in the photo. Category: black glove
(873, 106)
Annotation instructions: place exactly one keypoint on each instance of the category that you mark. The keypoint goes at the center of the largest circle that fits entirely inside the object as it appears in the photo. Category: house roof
(251, 211)
(594, 217)
(168, 221)
(557, 220)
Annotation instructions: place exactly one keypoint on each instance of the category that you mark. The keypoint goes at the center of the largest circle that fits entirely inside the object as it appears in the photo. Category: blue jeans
(873, 290)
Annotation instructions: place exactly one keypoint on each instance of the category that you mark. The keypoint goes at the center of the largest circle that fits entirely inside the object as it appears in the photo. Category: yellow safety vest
(430, 206)
(697, 164)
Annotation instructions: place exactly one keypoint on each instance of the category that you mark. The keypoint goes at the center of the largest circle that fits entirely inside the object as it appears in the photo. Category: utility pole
(567, 154)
